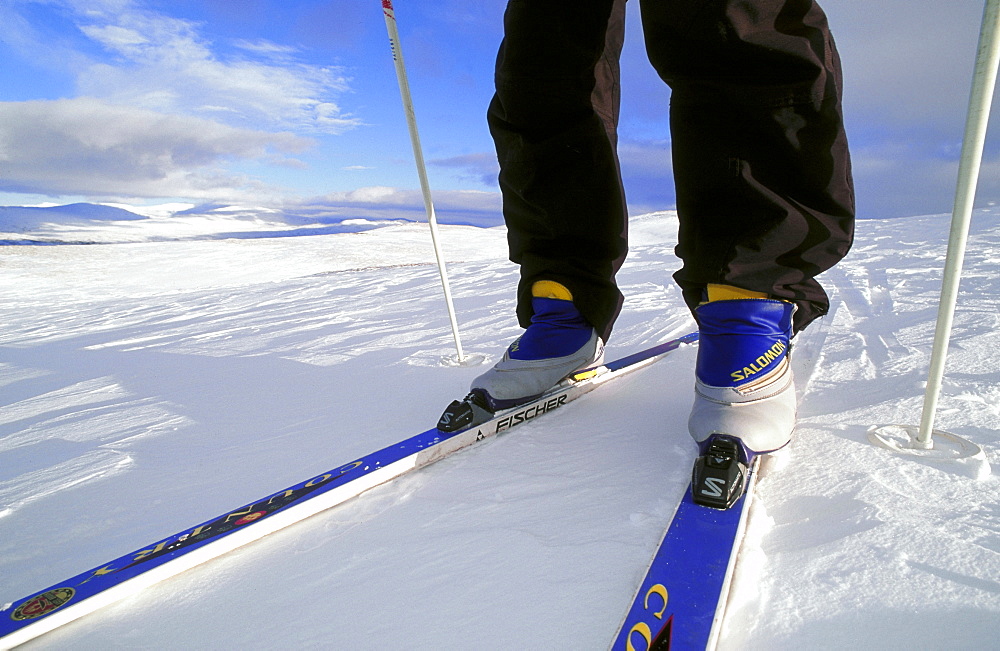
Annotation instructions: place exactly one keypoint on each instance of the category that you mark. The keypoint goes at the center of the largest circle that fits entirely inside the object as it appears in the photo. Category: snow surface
(149, 386)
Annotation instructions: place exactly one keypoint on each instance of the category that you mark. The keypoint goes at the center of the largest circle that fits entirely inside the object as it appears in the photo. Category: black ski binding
(719, 476)
(468, 412)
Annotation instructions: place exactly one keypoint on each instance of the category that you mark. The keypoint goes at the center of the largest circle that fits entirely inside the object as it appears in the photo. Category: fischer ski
(66, 601)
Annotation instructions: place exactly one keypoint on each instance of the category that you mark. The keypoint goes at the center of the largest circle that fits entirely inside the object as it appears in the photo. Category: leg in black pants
(762, 170)
(764, 194)
(761, 164)
(554, 119)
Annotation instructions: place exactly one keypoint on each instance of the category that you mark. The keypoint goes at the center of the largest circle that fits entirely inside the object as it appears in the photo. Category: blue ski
(64, 602)
(680, 602)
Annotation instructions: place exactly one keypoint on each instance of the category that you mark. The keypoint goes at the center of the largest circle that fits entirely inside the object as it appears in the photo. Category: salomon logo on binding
(719, 477)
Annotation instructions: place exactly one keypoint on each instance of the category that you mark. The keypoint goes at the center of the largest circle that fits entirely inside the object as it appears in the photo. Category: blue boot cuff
(741, 340)
(557, 329)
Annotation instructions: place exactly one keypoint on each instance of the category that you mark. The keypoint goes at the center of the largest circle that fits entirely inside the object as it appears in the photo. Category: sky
(294, 104)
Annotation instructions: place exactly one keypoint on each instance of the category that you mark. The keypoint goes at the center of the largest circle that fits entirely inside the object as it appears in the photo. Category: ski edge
(427, 451)
(749, 495)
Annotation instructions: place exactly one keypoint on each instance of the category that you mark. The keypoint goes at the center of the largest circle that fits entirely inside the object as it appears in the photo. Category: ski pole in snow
(418, 155)
(980, 99)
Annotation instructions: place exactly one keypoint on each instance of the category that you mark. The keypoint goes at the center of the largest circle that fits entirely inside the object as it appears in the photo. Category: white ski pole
(980, 100)
(418, 155)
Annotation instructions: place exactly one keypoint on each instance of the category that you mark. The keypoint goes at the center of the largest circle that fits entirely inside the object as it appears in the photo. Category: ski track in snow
(145, 388)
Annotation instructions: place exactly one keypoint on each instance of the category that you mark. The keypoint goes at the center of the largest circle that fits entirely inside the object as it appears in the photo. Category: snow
(153, 383)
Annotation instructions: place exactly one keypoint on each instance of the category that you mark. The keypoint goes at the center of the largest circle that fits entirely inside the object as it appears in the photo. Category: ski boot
(558, 342)
(745, 401)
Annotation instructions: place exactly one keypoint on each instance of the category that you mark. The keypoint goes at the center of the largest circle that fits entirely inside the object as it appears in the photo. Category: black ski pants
(761, 165)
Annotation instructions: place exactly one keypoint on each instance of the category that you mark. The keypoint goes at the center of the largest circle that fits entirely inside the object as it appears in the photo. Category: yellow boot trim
(730, 293)
(550, 289)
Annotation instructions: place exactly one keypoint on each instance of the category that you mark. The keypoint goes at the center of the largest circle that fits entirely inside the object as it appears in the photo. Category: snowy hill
(149, 386)
(17, 220)
(86, 223)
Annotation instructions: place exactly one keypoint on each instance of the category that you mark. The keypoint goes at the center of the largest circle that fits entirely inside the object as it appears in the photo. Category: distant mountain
(23, 218)
(90, 223)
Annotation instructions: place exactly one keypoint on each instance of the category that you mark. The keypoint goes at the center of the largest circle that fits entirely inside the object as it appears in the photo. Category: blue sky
(294, 103)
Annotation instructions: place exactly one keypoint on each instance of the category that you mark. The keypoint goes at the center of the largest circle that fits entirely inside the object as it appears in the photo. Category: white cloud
(381, 202)
(161, 110)
(268, 48)
(118, 38)
(375, 194)
(383, 195)
(90, 147)
(165, 64)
